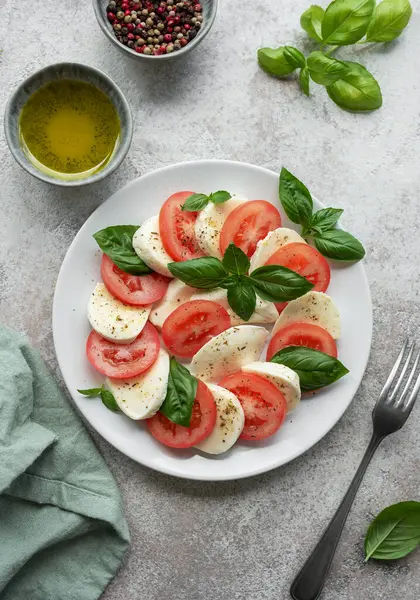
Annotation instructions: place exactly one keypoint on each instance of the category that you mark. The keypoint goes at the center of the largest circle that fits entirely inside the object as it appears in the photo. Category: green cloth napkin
(63, 533)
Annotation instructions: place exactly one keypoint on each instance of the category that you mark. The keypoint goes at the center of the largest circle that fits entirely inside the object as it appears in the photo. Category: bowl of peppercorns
(155, 29)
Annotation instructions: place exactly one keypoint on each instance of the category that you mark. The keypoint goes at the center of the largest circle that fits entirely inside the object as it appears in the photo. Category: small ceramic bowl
(209, 14)
(73, 71)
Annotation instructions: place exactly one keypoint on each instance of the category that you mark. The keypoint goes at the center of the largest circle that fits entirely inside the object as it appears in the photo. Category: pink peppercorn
(167, 37)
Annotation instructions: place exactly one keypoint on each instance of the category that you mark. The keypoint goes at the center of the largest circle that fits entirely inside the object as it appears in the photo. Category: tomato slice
(302, 334)
(137, 290)
(121, 361)
(177, 229)
(249, 223)
(280, 306)
(264, 405)
(192, 325)
(203, 420)
(306, 261)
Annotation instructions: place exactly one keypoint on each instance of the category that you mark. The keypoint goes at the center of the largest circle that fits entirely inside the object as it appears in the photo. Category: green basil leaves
(180, 396)
(357, 90)
(281, 61)
(390, 19)
(272, 283)
(105, 395)
(297, 203)
(197, 202)
(315, 369)
(344, 22)
(394, 533)
(117, 243)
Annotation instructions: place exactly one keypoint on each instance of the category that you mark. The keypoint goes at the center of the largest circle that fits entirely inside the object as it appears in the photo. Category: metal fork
(389, 415)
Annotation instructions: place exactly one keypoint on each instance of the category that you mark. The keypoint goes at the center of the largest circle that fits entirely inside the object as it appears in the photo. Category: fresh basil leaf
(235, 260)
(390, 19)
(325, 219)
(304, 80)
(91, 393)
(311, 22)
(230, 282)
(242, 299)
(346, 21)
(325, 70)
(274, 62)
(295, 198)
(219, 197)
(394, 533)
(205, 273)
(279, 284)
(182, 389)
(294, 57)
(315, 369)
(117, 243)
(339, 245)
(357, 90)
(195, 202)
(109, 401)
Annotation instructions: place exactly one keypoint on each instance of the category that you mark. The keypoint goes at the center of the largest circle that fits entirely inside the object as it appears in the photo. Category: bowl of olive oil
(69, 125)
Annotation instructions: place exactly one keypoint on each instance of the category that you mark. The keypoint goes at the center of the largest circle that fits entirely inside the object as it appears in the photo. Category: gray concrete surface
(243, 540)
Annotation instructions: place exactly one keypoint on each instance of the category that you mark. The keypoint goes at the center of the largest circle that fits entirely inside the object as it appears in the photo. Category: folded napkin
(62, 529)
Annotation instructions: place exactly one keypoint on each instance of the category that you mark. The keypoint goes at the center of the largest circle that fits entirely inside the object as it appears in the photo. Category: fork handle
(310, 580)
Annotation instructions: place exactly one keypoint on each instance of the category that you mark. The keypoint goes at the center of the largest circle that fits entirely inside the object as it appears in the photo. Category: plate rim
(166, 469)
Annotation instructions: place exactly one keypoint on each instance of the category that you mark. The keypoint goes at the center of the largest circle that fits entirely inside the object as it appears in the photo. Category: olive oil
(69, 129)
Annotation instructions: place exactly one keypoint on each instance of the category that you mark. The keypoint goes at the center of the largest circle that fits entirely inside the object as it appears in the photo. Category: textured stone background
(243, 540)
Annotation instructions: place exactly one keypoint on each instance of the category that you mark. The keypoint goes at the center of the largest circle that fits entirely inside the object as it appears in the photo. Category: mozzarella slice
(286, 380)
(209, 224)
(177, 293)
(141, 397)
(148, 246)
(265, 312)
(271, 243)
(228, 352)
(114, 320)
(314, 307)
(229, 422)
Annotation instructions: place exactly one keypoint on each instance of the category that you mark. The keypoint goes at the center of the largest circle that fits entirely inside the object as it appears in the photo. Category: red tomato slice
(264, 405)
(192, 325)
(306, 261)
(136, 290)
(248, 224)
(121, 361)
(203, 420)
(177, 229)
(280, 306)
(302, 334)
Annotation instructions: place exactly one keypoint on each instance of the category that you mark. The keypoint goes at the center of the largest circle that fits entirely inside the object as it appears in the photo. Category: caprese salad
(181, 319)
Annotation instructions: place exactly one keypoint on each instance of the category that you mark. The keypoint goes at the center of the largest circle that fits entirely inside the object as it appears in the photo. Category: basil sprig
(272, 283)
(315, 369)
(342, 23)
(394, 533)
(197, 202)
(105, 395)
(297, 203)
(180, 396)
(117, 243)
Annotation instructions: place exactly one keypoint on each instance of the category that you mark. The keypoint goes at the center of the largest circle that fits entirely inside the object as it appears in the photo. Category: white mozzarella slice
(228, 352)
(286, 380)
(114, 320)
(230, 422)
(148, 246)
(209, 224)
(265, 312)
(315, 308)
(141, 397)
(271, 243)
(177, 293)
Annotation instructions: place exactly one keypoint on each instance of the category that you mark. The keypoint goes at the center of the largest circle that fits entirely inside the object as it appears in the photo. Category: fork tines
(403, 373)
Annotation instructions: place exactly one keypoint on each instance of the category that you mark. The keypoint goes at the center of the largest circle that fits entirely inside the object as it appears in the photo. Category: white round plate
(303, 428)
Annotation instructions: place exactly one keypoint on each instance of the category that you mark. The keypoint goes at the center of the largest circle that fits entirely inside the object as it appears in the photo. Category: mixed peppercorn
(155, 28)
